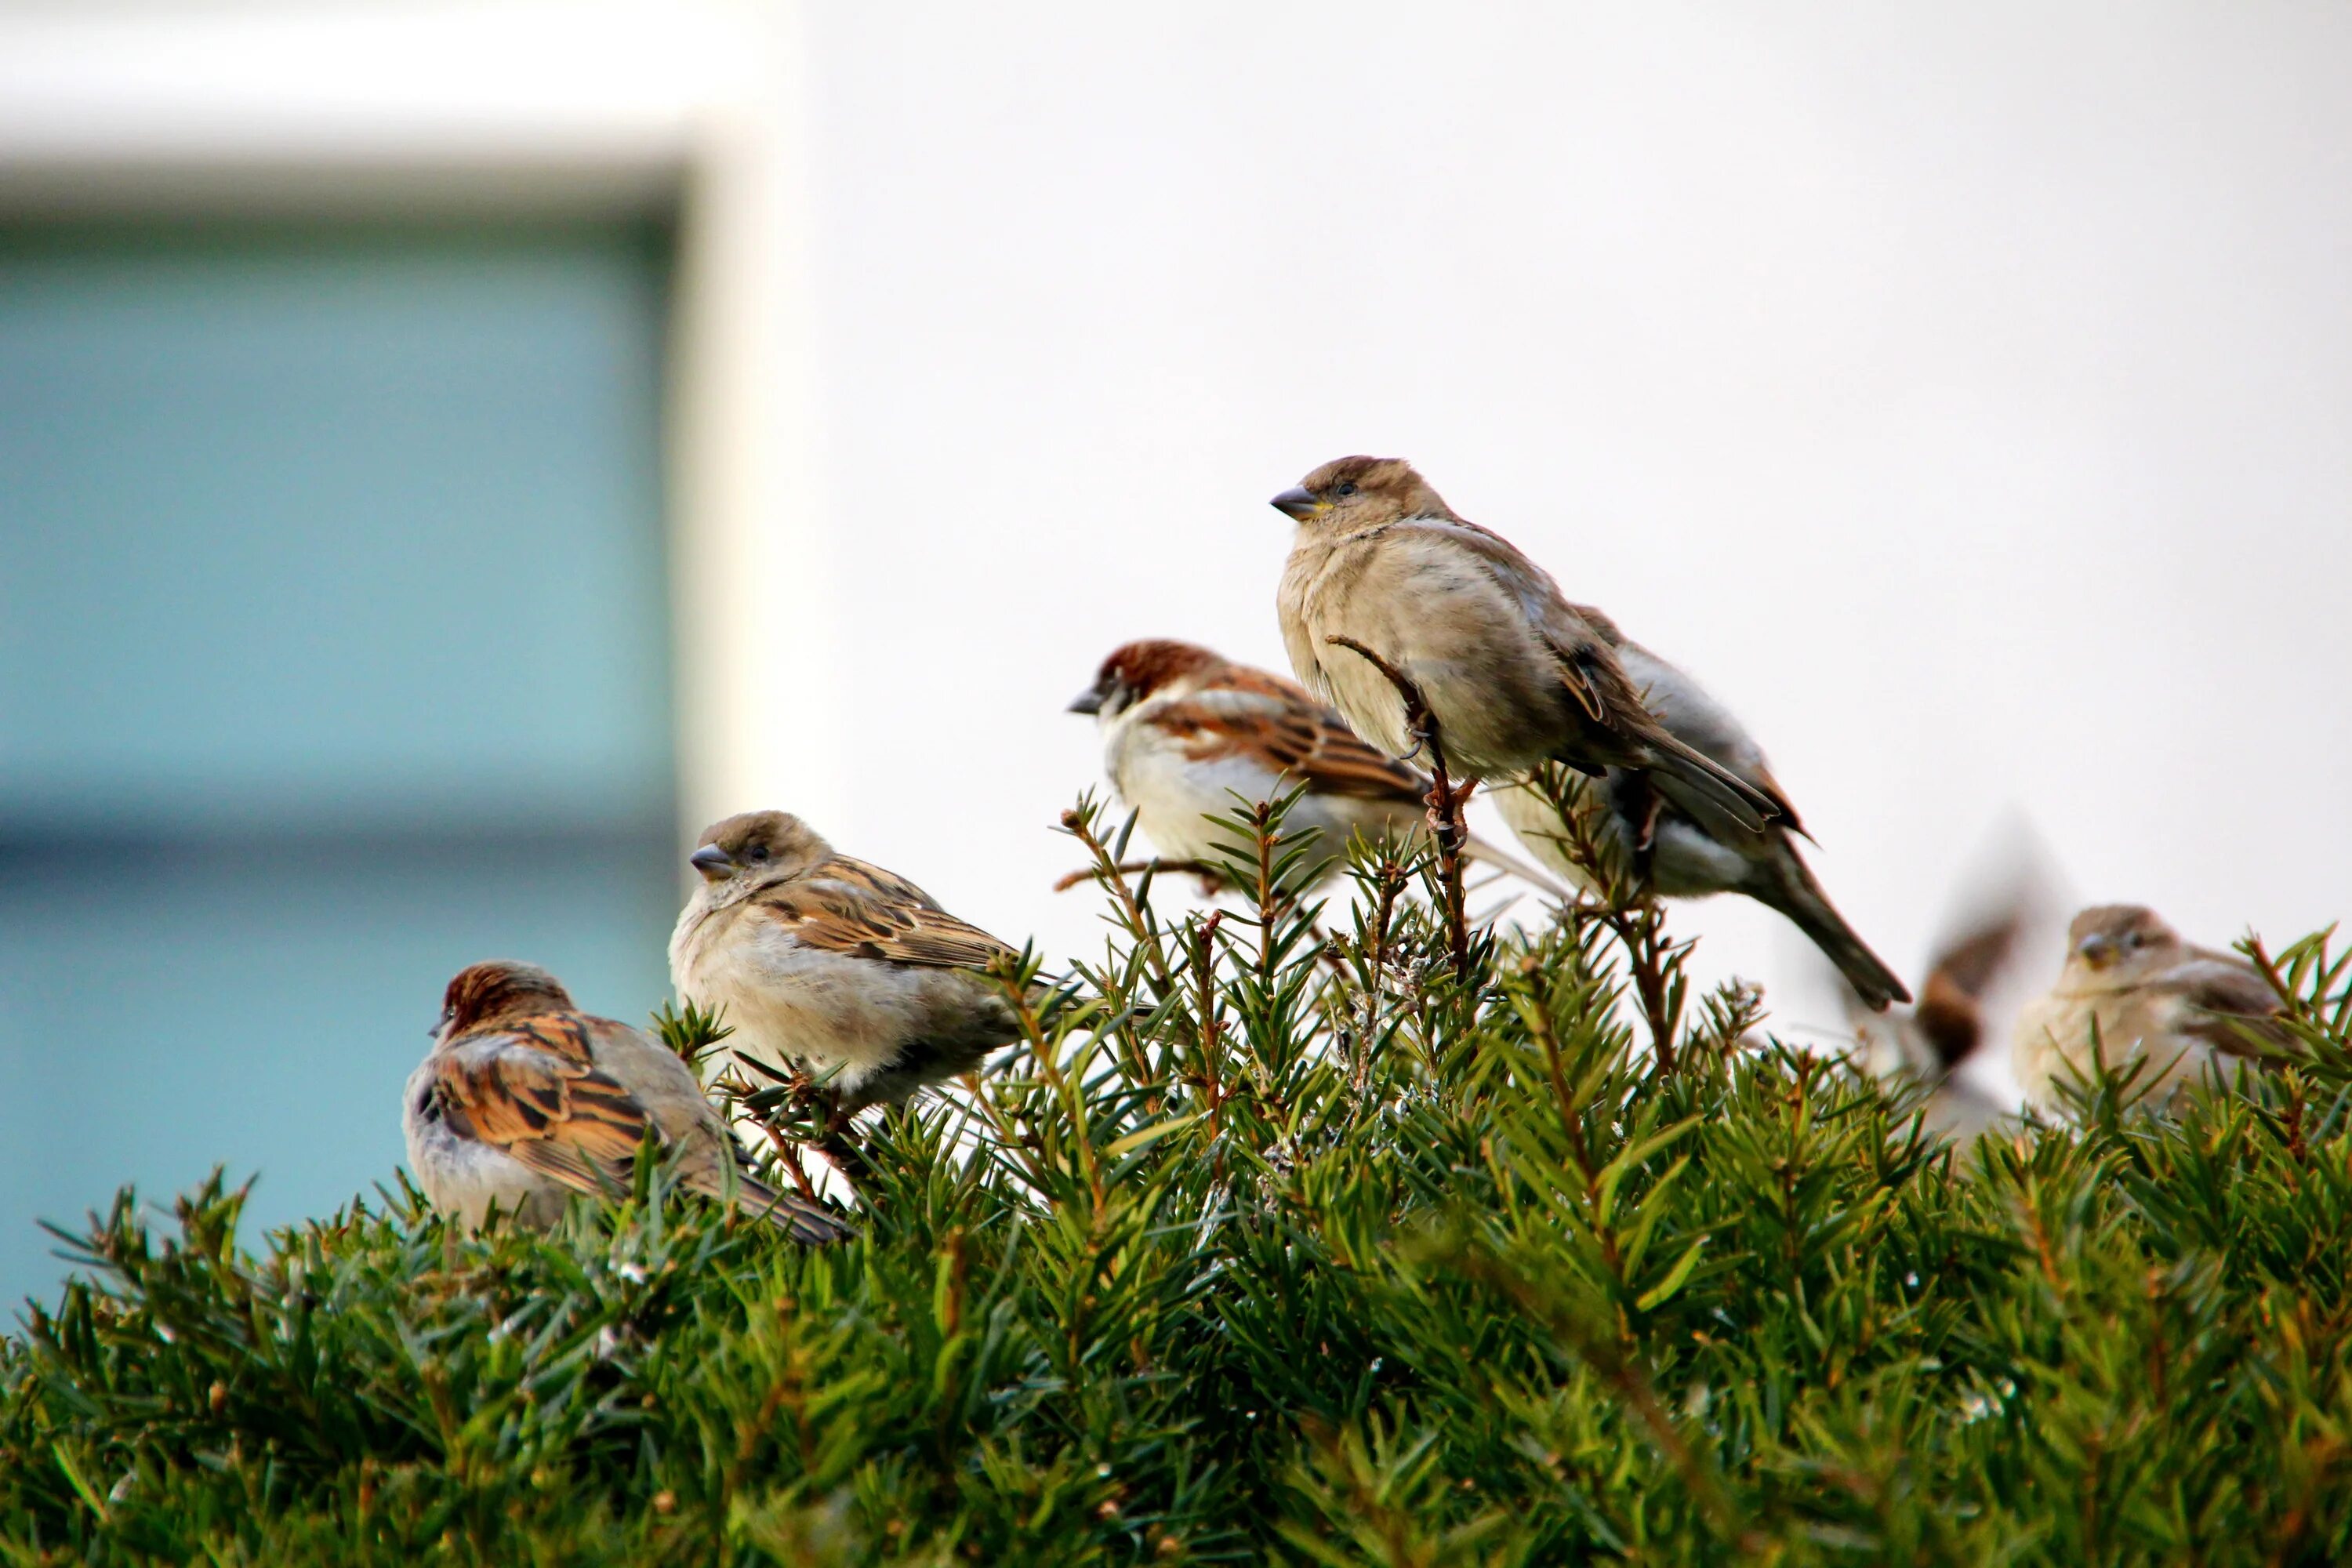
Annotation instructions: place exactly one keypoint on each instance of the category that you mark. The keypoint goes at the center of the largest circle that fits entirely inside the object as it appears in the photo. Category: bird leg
(1446, 826)
(1647, 805)
(1646, 828)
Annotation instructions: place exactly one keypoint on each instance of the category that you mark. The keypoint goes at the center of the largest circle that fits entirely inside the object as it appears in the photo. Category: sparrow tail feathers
(1726, 790)
(797, 1217)
(1872, 980)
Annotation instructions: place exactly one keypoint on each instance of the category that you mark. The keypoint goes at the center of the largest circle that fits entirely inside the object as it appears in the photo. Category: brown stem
(1446, 825)
(1133, 867)
(1113, 874)
(788, 1155)
(1044, 1053)
(1204, 975)
(1639, 934)
(833, 1141)
(1628, 914)
(1391, 882)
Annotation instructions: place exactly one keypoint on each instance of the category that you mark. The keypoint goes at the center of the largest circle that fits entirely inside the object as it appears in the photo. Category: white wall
(1962, 392)
(1963, 395)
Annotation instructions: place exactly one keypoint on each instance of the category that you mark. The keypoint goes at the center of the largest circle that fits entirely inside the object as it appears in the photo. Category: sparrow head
(2116, 942)
(486, 993)
(1138, 669)
(1352, 493)
(756, 848)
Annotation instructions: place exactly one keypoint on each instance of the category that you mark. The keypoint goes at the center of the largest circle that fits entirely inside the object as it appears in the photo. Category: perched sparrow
(1514, 674)
(524, 1100)
(1184, 732)
(2148, 994)
(827, 963)
(1678, 854)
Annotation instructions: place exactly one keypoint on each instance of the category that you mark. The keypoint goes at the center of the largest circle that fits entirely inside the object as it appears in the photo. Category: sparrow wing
(1692, 715)
(1590, 669)
(533, 1090)
(1588, 660)
(1593, 677)
(1274, 724)
(847, 906)
(1968, 963)
(1950, 1015)
(2227, 998)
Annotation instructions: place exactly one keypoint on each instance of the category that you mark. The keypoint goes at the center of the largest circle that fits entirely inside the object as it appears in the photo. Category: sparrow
(524, 1100)
(1514, 675)
(2147, 995)
(827, 964)
(1676, 853)
(1184, 730)
(1926, 1044)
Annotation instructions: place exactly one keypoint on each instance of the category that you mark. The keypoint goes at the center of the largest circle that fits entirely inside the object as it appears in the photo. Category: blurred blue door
(333, 656)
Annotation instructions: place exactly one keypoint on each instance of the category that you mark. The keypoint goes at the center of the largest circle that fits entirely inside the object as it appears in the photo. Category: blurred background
(448, 453)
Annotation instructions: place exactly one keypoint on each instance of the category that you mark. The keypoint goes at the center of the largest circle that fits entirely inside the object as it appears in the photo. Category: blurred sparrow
(1185, 731)
(1514, 674)
(2147, 995)
(524, 1100)
(1926, 1044)
(1674, 853)
(827, 964)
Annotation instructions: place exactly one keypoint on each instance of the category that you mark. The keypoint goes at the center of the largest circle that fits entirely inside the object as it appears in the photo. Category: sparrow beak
(1297, 504)
(2098, 951)
(714, 863)
(1087, 701)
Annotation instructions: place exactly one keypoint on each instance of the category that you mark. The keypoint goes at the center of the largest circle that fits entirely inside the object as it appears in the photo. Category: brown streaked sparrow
(1514, 675)
(1674, 853)
(524, 1100)
(1185, 731)
(827, 964)
(2145, 995)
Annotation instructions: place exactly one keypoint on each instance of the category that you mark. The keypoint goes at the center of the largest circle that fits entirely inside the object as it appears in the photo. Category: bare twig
(788, 1155)
(1113, 875)
(1446, 825)
(1199, 868)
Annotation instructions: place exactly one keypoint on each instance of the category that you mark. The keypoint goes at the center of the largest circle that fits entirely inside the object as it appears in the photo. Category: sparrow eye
(757, 852)
(2136, 940)
(1344, 488)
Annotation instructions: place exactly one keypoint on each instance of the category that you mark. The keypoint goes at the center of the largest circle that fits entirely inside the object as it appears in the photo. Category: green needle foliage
(1271, 1245)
